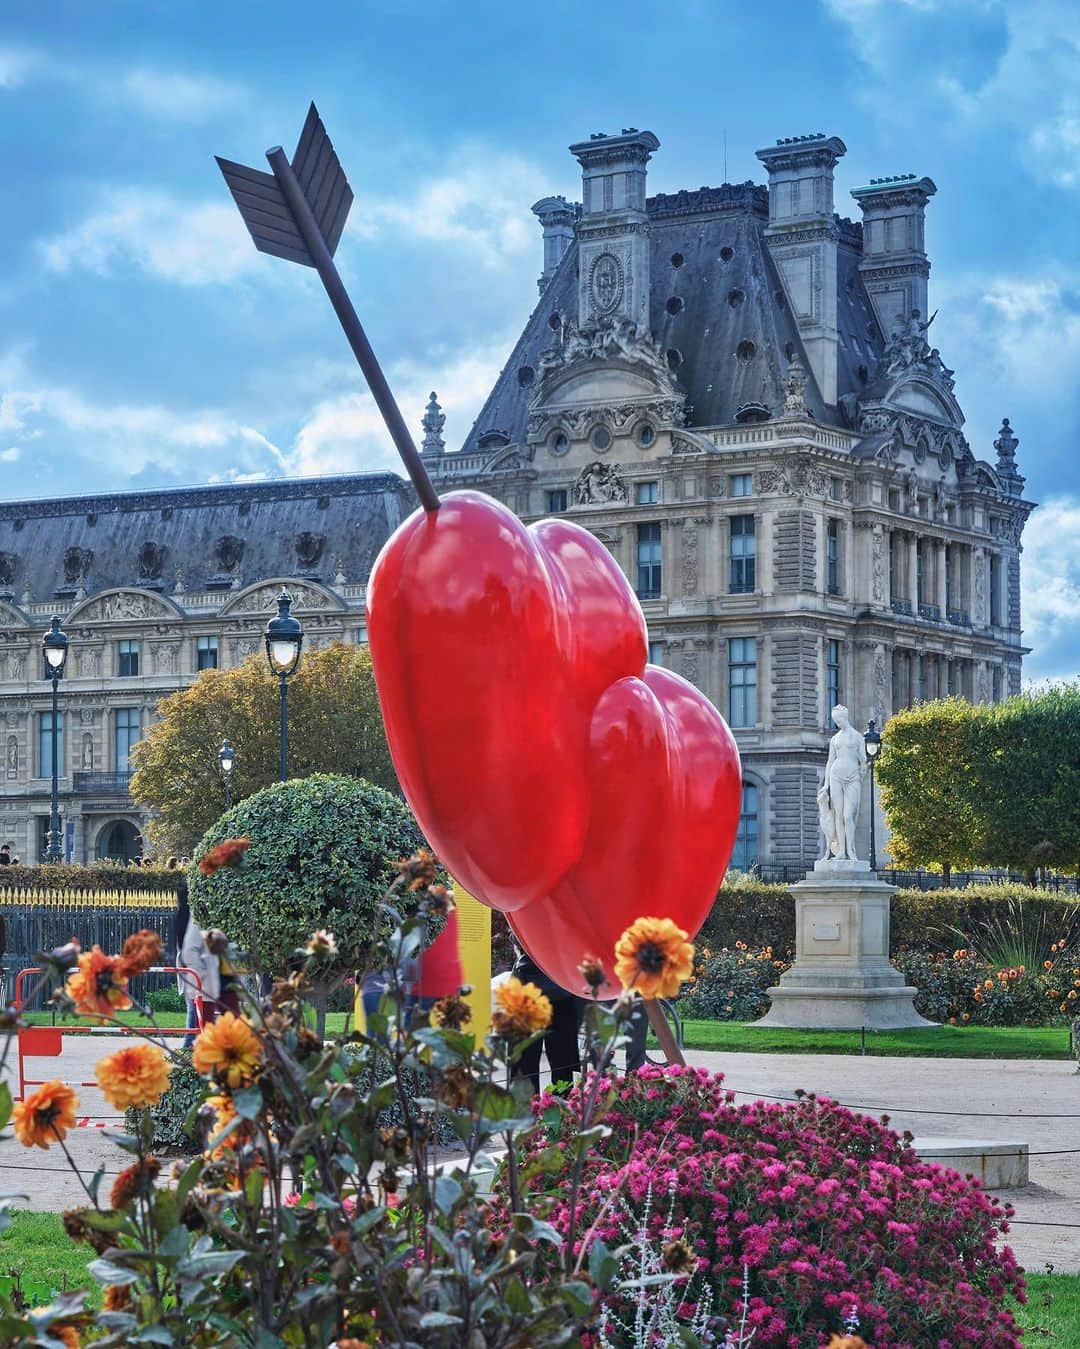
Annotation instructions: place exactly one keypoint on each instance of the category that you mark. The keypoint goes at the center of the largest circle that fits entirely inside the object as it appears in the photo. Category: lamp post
(227, 758)
(54, 646)
(284, 638)
(872, 740)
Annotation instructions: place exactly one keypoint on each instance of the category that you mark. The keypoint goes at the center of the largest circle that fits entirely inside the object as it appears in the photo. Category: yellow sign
(474, 947)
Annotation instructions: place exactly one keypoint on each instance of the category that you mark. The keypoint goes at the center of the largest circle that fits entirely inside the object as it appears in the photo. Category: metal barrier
(46, 1042)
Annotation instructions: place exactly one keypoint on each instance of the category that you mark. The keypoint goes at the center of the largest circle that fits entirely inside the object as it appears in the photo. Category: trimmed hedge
(322, 855)
(764, 915)
(76, 876)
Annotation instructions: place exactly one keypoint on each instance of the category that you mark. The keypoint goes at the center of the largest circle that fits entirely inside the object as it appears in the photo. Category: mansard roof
(214, 537)
(716, 307)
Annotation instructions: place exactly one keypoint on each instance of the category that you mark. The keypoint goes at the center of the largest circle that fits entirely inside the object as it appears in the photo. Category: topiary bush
(322, 855)
(829, 1211)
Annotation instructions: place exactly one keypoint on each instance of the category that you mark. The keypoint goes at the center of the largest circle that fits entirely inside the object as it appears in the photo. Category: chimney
(802, 236)
(894, 265)
(613, 231)
(556, 218)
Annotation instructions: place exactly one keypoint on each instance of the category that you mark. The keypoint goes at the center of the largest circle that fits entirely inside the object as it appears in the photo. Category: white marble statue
(839, 798)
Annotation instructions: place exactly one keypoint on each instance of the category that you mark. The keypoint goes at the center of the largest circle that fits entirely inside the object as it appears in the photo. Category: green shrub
(76, 876)
(176, 1125)
(322, 854)
(936, 920)
(166, 999)
(730, 984)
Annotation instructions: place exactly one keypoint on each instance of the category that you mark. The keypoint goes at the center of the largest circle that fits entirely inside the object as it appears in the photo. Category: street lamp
(54, 646)
(284, 638)
(227, 758)
(872, 740)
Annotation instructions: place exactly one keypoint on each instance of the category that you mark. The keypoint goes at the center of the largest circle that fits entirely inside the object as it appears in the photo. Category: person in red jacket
(440, 972)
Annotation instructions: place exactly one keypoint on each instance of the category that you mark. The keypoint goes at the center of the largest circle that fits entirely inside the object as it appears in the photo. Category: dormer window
(493, 440)
(752, 412)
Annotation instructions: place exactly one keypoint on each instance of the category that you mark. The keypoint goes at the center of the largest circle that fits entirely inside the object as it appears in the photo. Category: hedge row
(764, 915)
(69, 876)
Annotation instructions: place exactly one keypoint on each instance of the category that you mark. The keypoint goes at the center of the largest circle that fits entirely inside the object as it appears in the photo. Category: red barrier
(46, 1042)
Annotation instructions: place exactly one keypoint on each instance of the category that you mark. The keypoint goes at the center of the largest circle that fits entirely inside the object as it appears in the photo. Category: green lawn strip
(1052, 1314)
(967, 1042)
(132, 1018)
(47, 1261)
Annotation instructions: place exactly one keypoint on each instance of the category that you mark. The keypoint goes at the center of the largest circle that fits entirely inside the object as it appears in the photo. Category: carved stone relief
(8, 562)
(165, 657)
(309, 548)
(266, 597)
(599, 484)
(124, 604)
(15, 664)
(77, 564)
(12, 757)
(88, 661)
(878, 565)
(228, 552)
(88, 752)
(689, 560)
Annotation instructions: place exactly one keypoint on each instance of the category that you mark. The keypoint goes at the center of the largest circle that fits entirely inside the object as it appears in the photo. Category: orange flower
(117, 1297)
(46, 1115)
(135, 1180)
(848, 1342)
(227, 854)
(67, 1335)
(141, 950)
(135, 1075)
(99, 985)
(418, 870)
(521, 1009)
(227, 1049)
(654, 958)
(1048, 964)
(223, 1112)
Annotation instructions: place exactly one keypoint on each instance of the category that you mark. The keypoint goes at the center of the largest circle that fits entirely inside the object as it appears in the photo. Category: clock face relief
(606, 283)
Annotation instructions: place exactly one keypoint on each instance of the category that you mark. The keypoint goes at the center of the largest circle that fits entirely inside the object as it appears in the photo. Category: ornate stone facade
(775, 457)
(132, 643)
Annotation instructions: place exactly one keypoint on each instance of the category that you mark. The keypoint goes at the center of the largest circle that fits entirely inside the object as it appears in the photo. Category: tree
(928, 785)
(322, 855)
(335, 726)
(1028, 750)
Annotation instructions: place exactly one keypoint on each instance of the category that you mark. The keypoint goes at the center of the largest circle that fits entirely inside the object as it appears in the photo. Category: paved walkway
(965, 1088)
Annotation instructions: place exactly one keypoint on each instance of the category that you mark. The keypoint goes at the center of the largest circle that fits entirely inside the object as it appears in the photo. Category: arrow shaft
(354, 331)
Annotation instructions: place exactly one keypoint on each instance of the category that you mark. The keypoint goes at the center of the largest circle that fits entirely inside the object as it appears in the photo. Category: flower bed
(829, 1211)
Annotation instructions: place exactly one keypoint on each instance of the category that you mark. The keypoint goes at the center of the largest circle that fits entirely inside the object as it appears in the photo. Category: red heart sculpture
(665, 788)
(558, 777)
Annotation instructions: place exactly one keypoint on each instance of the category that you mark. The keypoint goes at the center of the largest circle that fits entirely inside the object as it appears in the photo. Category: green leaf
(516, 1297)
(435, 1320)
(248, 1102)
(579, 1295)
(5, 1104)
(108, 1271)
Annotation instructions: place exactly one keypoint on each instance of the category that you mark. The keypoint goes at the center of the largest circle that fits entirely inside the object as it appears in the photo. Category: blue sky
(144, 342)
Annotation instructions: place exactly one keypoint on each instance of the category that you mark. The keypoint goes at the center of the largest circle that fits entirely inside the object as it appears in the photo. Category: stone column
(913, 572)
(939, 563)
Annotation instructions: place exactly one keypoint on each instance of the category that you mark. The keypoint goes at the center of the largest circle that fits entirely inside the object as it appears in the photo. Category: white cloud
(176, 95)
(1016, 341)
(9, 456)
(1050, 576)
(123, 439)
(346, 434)
(478, 200)
(188, 243)
(979, 66)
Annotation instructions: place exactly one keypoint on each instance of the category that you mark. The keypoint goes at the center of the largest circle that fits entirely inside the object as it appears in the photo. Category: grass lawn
(335, 1021)
(958, 1042)
(48, 1261)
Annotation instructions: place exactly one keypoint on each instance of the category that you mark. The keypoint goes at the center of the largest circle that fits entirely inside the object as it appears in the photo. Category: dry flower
(141, 950)
(227, 854)
(322, 943)
(134, 1181)
(592, 971)
(418, 870)
(453, 1013)
(117, 1297)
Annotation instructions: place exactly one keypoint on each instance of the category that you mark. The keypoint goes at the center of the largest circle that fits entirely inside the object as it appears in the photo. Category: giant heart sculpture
(558, 777)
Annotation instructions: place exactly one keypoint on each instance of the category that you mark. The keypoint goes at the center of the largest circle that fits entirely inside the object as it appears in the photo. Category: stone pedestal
(842, 978)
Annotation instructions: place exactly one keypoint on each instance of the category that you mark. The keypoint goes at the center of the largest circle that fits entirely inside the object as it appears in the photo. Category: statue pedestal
(842, 978)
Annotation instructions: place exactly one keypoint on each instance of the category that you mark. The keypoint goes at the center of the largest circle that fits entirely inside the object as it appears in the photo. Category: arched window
(119, 842)
(745, 856)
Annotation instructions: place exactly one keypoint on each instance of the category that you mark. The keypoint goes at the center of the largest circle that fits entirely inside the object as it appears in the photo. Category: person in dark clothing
(560, 1040)
(637, 1030)
(5, 855)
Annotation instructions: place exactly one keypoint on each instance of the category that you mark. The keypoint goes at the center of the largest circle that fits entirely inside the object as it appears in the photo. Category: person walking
(5, 855)
(560, 1041)
(192, 953)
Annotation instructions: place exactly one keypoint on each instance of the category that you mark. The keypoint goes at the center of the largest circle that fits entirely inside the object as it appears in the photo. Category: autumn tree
(929, 785)
(335, 726)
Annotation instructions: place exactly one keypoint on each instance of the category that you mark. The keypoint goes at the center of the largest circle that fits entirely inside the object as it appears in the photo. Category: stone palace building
(734, 388)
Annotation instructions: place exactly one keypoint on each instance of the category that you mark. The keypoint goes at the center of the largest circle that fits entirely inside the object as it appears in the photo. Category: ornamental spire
(434, 420)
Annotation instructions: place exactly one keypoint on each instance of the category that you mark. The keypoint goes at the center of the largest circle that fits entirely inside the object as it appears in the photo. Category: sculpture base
(842, 978)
